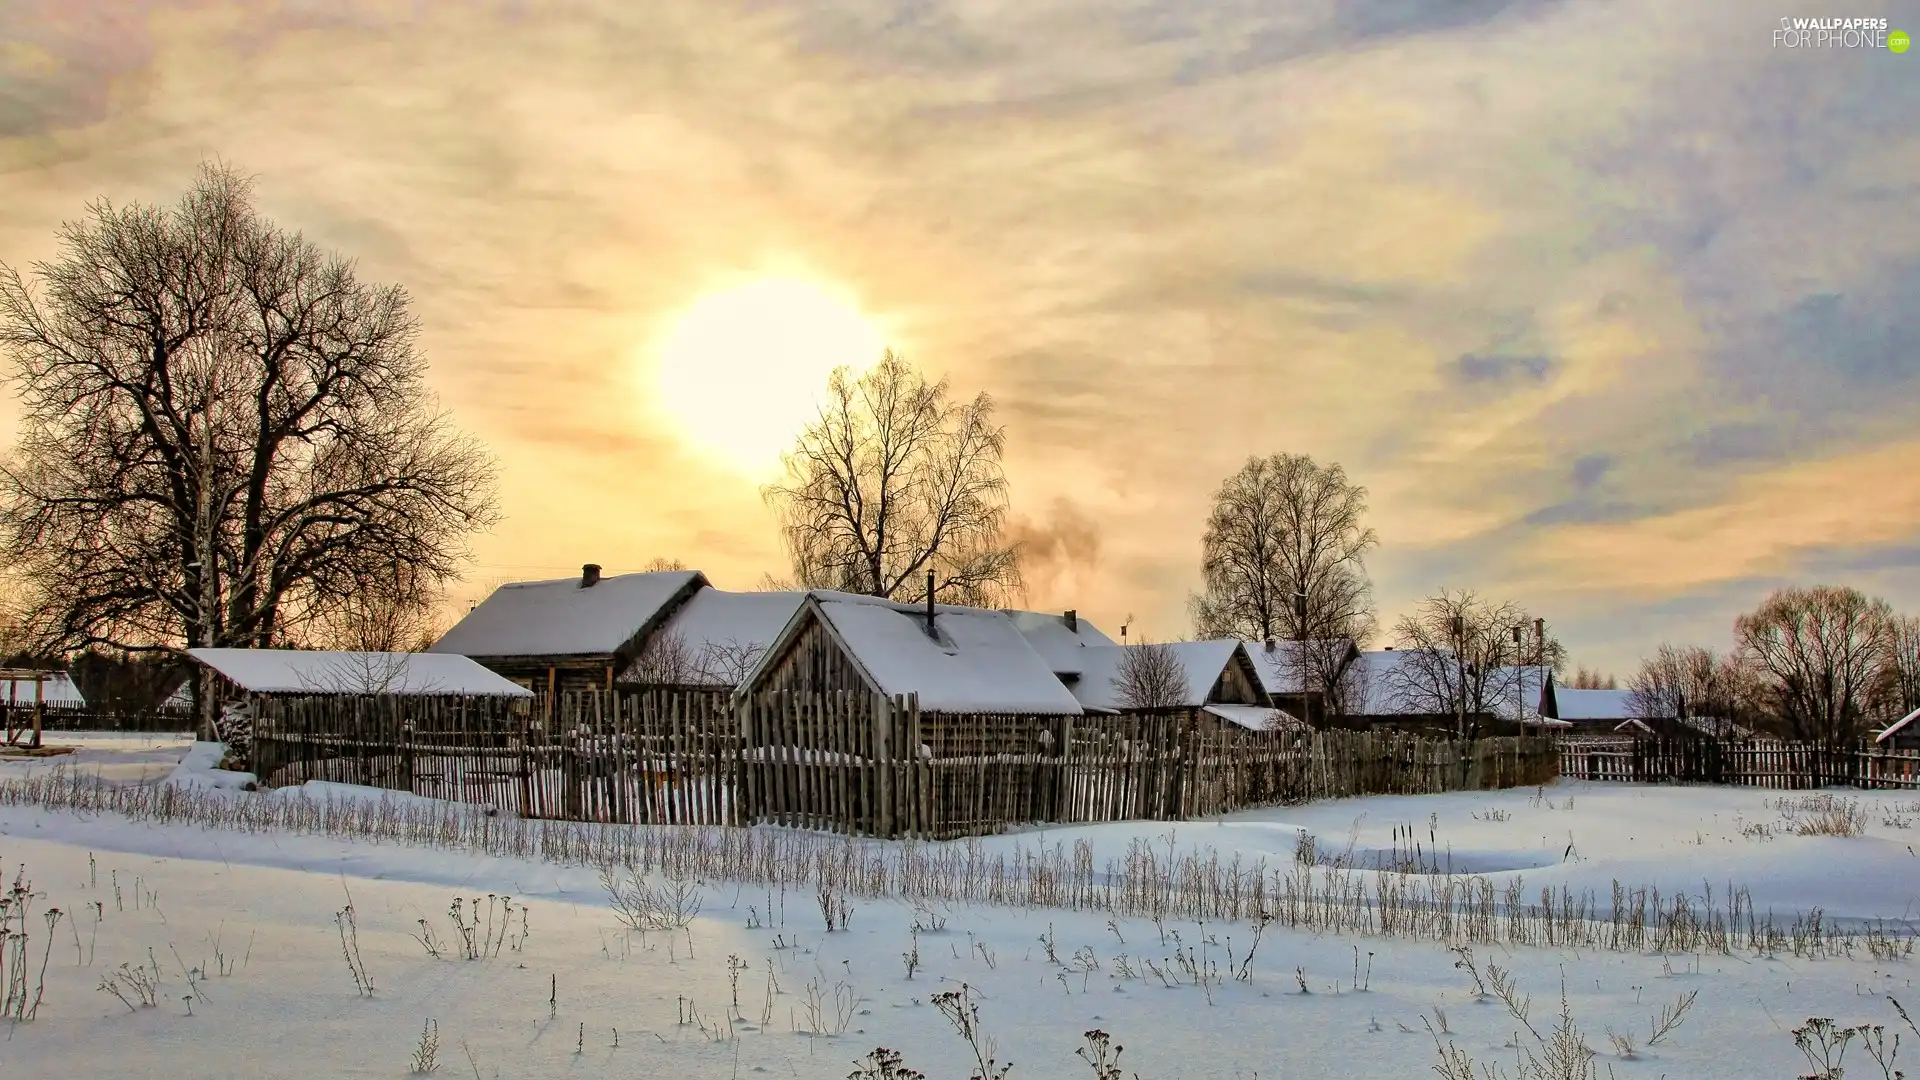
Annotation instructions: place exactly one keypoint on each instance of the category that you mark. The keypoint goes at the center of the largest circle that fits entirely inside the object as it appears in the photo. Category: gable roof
(57, 686)
(1060, 644)
(1280, 664)
(1203, 662)
(299, 671)
(559, 618)
(741, 624)
(1376, 693)
(1519, 692)
(1910, 720)
(980, 663)
(1593, 705)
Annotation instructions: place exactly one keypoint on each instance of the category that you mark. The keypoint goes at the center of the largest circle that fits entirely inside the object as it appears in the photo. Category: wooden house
(889, 718)
(1222, 685)
(570, 634)
(1061, 640)
(1902, 734)
(1291, 673)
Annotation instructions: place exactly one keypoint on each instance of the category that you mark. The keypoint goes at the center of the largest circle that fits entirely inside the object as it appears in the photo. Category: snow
(1280, 665)
(1256, 717)
(732, 620)
(297, 671)
(1055, 640)
(252, 912)
(1593, 705)
(1203, 662)
(57, 685)
(980, 664)
(559, 618)
(1518, 692)
(1377, 693)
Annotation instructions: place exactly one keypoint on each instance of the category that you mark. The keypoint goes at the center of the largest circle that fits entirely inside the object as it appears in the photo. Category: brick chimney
(1073, 621)
(590, 575)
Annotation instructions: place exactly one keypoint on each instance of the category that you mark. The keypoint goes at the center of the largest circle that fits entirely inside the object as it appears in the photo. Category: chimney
(1389, 648)
(1073, 621)
(590, 575)
(932, 630)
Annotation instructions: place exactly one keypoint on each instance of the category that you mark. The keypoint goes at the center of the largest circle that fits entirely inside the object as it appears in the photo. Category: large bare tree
(222, 429)
(895, 478)
(1283, 557)
(1821, 652)
(1461, 658)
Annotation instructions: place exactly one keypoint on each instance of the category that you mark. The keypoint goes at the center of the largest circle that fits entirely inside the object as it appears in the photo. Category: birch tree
(894, 479)
(1284, 558)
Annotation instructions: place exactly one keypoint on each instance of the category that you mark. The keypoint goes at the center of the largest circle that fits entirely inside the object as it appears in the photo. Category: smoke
(1060, 551)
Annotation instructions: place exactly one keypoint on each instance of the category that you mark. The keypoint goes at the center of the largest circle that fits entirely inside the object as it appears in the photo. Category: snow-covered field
(248, 924)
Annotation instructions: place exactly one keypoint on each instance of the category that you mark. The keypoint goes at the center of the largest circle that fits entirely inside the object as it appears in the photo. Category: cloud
(1568, 334)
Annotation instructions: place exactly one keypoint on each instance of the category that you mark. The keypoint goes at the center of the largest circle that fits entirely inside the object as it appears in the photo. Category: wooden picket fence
(855, 763)
(1761, 763)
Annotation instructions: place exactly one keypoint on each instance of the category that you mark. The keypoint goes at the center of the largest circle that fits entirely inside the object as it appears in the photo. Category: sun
(742, 370)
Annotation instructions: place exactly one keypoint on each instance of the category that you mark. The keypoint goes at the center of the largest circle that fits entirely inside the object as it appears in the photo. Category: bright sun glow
(743, 370)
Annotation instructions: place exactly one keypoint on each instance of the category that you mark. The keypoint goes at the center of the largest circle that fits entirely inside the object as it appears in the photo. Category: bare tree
(221, 426)
(364, 673)
(1283, 557)
(1150, 676)
(726, 663)
(895, 479)
(1821, 652)
(1461, 658)
(661, 563)
(1714, 693)
(388, 615)
(666, 660)
(1897, 692)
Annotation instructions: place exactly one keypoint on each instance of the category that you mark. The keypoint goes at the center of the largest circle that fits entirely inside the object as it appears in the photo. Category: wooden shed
(1902, 734)
(891, 718)
(1291, 672)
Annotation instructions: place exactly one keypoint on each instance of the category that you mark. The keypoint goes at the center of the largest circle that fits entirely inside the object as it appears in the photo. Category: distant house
(1592, 707)
(710, 641)
(21, 688)
(1384, 691)
(1290, 673)
(569, 634)
(1221, 683)
(1902, 734)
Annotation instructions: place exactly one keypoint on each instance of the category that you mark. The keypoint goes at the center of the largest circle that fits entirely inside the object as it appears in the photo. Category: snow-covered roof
(1282, 665)
(1203, 662)
(298, 671)
(57, 686)
(1256, 717)
(727, 631)
(1516, 693)
(980, 663)
(1593, 705)
(1378, 694)
(1898, 726)
(561, 618)
(1059, 643)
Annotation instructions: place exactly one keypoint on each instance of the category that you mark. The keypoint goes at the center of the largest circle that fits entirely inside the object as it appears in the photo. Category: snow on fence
(1761, 763)
(849, 762)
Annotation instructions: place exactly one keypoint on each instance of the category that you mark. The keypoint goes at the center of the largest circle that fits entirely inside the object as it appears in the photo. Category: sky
(1612, 306)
